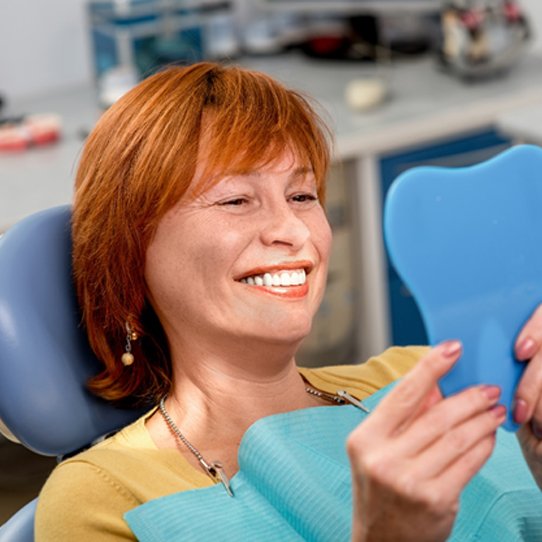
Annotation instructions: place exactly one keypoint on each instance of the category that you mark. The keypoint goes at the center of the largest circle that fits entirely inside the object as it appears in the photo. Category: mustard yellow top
(86, 496)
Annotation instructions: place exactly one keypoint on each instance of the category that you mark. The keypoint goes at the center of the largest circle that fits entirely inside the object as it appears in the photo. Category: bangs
(246, 127)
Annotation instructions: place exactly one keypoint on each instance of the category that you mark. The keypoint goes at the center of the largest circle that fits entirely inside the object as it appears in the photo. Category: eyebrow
(302, 170)
(297, 172)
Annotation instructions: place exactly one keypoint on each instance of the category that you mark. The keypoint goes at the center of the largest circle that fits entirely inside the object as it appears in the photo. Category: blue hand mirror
(468, 244)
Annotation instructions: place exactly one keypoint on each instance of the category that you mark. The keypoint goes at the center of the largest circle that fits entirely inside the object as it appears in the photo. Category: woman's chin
(287, 334)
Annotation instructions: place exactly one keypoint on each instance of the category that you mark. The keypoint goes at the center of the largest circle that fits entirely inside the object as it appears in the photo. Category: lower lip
(290, 292)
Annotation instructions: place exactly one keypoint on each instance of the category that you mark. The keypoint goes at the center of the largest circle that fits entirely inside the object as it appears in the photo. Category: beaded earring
(128, 358)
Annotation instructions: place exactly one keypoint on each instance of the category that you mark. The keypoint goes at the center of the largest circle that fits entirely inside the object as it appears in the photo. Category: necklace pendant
(216, 470)
(352, 400)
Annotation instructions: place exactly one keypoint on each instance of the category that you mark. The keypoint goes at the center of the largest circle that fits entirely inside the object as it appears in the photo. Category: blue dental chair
(45, 358)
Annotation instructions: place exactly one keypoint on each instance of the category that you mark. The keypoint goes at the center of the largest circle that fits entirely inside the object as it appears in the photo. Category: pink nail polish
(492, 392)
(520, 411)
(526, 348)
(499, 411)
(451, 348)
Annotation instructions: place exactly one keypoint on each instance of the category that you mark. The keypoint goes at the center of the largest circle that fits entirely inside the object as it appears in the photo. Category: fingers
(427, 484)
(451, 414)
(453, 479)
(417, 450)
(432, 398)
(443, 492)
(458, 443)
(527, 400)
(531, 447)
(402, 404)
(530, 337)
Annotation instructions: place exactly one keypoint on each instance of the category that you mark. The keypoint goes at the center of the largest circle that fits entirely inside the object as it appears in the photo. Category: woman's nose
(283, 226)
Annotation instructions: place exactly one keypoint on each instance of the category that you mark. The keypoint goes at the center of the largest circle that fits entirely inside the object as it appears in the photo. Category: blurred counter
(42, 177)
(524, 125)
(424, 105)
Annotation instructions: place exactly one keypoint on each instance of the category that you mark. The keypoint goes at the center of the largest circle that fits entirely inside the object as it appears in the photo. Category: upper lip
(275, 268)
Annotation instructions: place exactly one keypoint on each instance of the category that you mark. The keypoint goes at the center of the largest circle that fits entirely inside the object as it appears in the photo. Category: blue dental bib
(294, 484)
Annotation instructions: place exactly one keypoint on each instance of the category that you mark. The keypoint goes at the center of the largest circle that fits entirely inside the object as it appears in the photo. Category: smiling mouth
(280, 278)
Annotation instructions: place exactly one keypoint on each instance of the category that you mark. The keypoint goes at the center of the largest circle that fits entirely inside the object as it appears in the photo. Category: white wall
(533, 8)
(43, 45)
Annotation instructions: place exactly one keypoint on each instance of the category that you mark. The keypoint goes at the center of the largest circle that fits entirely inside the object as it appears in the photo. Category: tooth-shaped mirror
(468, 244)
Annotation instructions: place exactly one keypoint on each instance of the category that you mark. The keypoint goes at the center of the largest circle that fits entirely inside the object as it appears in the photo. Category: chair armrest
(20, 527)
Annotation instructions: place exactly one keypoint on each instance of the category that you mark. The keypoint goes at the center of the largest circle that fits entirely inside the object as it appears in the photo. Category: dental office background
(44, 46)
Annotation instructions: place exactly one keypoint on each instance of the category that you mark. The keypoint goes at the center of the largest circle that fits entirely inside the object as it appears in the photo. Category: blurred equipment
(367, 93)
(357, 29)
(482, 37)
(362, 37)
(133, 38)
(21, 133)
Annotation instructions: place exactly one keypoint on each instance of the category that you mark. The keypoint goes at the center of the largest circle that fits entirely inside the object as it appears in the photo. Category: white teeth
(285, 279)
(282, 278)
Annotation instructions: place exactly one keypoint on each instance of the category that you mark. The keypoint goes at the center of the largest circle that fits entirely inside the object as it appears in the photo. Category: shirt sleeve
(82, 502)
(364, 379)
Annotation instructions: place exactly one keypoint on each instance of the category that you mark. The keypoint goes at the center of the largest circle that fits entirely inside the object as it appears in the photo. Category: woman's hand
(528, 401)
(415, 453)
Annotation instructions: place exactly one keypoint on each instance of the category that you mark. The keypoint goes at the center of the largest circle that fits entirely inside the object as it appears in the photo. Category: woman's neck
(215, 398)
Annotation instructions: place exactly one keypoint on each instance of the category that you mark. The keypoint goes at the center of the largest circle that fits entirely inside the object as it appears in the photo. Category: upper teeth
(281, 278)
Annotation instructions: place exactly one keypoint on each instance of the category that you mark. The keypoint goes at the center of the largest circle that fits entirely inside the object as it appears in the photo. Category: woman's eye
(304, 198)
(235, 202)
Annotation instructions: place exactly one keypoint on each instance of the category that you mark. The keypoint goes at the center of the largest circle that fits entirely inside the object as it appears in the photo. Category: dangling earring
(131, 335)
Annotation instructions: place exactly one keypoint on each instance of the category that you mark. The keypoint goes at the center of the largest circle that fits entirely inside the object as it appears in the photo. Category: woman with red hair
(200, 251)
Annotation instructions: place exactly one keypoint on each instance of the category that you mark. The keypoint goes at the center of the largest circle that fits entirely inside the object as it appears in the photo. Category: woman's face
(247, 259)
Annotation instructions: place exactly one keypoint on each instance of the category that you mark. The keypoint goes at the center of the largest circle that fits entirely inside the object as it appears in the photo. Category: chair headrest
(45, 358)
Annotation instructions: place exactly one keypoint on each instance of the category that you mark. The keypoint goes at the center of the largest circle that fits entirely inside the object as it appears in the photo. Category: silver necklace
(340, 397)
(214, 469)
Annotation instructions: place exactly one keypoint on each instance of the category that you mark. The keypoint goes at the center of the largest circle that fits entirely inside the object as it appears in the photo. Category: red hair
(137, 163)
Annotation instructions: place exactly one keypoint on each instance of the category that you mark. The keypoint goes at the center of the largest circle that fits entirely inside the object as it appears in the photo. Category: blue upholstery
(20, 528)
(45, 358)
(466, 242)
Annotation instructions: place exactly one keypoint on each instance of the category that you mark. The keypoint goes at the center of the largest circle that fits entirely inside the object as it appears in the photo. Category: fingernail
(520, 411)
(526, 348)
(451, 348)
(537, 430)
(499, 411)
(492, 392)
